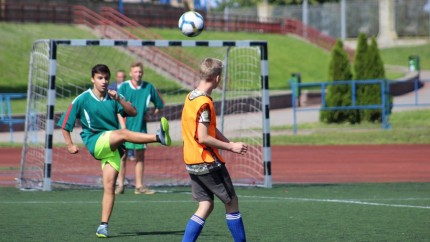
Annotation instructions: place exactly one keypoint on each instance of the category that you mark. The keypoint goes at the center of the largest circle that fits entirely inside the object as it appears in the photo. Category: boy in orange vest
(202, 140)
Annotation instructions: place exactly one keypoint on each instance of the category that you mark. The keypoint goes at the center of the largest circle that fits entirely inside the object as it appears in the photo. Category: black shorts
(217, 183)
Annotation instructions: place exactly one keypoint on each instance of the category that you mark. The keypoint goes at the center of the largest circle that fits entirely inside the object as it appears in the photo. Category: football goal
(61, 69)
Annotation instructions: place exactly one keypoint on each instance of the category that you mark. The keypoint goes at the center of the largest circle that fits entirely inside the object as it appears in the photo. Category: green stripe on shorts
(132, 146)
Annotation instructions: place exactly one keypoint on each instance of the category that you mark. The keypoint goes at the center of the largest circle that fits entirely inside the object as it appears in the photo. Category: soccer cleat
(119, 190)
(143, 190)
(163, 132)
(102, 231)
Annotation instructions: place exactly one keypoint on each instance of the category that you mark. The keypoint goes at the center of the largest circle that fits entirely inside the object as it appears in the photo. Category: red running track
(314, 164)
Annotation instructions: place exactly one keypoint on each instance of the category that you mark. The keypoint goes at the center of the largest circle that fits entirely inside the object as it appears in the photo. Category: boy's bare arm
(128, 108)
(156, 110)
(72, 148)
(221, 136)
(121, 121)
(206, 139)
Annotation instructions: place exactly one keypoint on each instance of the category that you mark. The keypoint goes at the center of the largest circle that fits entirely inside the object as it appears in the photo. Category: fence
(361, 15)
(417, 98)
(6, 117)
(383, 106)
(39, 13)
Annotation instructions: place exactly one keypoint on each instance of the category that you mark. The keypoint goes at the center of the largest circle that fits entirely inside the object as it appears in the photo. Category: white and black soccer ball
(191, 23)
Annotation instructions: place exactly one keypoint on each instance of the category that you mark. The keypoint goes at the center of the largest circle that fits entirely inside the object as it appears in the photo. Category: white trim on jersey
(148, 100)
(87, 117)
(96, 98)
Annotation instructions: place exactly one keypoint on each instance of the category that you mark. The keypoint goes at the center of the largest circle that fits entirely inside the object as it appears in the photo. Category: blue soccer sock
(235, 224)
(193, 229)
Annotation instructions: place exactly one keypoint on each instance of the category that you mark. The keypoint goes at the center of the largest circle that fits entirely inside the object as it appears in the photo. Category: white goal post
(61, 69)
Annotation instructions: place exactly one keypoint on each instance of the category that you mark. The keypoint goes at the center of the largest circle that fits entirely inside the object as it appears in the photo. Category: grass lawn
(400, 55)
(287, 54)
(293, 212)
(15, 46)
(407, 127)
(335, 212)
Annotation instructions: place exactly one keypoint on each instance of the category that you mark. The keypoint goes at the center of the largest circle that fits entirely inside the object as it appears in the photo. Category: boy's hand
(113, 94)
(239, 148)
(73, 149)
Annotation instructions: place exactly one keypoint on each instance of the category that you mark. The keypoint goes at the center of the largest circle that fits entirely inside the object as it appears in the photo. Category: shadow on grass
(129, 234)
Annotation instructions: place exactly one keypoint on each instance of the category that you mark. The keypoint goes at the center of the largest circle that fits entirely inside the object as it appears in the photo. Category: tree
(338, 95)
(360, 57)
(371, 93)
(360, 71)
(374, 65)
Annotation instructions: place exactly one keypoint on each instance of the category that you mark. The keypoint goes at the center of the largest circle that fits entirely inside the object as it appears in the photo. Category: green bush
(360, 58)
(371, 93)
(338, 95)
(368, 65)
(360, 71)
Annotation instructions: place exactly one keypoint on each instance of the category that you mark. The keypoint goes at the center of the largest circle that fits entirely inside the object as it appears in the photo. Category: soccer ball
(191, 23)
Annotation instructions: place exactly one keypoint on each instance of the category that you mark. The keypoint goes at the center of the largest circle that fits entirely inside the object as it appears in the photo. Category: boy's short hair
(210, 68)
(100, 69)
(136, 64)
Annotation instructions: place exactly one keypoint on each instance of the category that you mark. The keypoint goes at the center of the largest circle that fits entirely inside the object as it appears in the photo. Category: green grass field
(293, 212)
(326, 212)
(407, 127)
(400, 55)
(287, 54)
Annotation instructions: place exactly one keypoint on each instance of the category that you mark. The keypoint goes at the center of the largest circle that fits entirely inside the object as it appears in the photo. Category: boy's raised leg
(118, 137)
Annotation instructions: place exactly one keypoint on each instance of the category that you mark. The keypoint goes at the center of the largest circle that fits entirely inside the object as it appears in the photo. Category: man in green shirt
(140, 93)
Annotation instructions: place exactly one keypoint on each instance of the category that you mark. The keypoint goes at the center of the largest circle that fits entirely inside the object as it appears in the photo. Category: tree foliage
(368, 65)
(360, 57)
(374, 64)
(360, 71)
(339, 94)
(371, 93)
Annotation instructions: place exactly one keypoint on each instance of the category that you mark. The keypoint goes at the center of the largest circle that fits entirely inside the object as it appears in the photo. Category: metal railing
(6, 116)
(384, 106)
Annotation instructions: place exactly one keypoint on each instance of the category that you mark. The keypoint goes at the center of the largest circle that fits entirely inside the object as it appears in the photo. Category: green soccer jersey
(140, 97)
(96, 116)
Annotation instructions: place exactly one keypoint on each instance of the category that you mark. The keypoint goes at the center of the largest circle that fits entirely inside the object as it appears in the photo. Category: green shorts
(104, 153)
(132, 146)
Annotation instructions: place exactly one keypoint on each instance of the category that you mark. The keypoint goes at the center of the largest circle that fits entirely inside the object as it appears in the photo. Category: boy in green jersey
(97, 109)
(140, 93)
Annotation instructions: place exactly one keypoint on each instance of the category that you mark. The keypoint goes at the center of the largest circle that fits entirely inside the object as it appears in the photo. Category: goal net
(61, 69)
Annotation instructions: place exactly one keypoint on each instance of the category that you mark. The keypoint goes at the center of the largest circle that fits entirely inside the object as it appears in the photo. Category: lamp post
(121, 7)
(427, 9)
(343, 20)
(305, 17)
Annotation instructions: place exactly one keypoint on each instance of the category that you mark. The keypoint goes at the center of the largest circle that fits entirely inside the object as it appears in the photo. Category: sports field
(337, 206)
(321, 192)
(324, 212)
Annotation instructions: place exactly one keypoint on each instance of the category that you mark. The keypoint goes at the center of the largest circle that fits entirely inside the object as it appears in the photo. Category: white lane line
(257, 199)
(347, 201)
